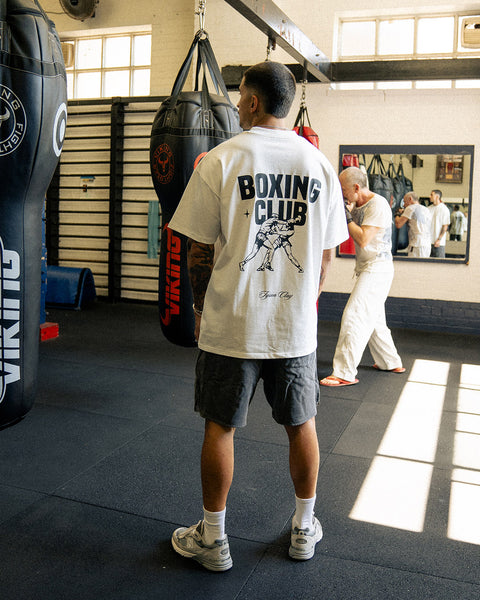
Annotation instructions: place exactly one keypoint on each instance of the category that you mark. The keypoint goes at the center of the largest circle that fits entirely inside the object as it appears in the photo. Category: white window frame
(74, 71)
(456, 53)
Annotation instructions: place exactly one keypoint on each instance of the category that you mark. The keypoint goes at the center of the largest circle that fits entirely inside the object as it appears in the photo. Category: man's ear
(254, 103)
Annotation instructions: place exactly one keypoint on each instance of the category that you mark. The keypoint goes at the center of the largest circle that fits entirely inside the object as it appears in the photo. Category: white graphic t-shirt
(273, 203)
(440, 217)
(419, 224)
(457, 223)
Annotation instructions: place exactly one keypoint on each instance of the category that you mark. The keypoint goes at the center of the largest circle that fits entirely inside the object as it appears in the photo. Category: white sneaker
(302, 541)
(188, 542)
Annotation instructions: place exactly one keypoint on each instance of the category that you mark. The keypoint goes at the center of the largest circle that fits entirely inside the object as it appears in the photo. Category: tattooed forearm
(326, 263)
(200, 265)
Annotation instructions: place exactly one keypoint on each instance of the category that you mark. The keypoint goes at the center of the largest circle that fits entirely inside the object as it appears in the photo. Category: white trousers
(363, 322)
(419, 251)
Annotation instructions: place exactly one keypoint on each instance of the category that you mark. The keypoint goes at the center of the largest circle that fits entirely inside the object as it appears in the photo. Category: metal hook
(271, 46)
(303, 99)
(201, 14)
(304, 87)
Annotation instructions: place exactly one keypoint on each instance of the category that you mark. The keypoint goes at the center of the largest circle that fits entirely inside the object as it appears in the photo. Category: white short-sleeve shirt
(272, 202)
(377, 254)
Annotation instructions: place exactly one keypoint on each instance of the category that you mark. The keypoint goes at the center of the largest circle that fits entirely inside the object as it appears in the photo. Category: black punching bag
(186, 126)
(33, 116)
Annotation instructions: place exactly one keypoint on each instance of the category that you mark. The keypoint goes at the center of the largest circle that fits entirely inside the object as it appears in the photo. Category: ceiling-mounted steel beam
(275, 24)
(406, 70)
(379, 70)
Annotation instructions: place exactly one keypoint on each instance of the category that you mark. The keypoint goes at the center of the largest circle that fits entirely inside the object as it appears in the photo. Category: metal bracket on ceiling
(275, 24)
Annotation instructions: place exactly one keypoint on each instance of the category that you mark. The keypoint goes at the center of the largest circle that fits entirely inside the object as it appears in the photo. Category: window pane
(117, 83)
(426, 85)
(88, 85)
(435, 35)
(467, 83)
(89, 54)
(142, 50)
(396, 37)
(141, 82)
(394, 85)
(358, 38)
(355, 86)
(117, 52)
(70, 85)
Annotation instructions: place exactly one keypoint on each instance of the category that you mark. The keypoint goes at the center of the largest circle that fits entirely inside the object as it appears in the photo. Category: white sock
(303, 516)
(213, 526)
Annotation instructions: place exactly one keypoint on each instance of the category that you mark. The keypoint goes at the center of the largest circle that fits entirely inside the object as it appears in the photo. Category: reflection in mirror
(394, 170)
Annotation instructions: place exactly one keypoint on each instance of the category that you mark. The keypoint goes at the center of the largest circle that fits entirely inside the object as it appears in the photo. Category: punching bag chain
(271, 46)
(201, 14)
(303, 100)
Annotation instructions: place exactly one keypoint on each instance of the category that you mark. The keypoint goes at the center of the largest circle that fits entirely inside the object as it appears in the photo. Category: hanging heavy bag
(348, 246)
(304, 130)
(378, 180)
(32, 127)
(350, 160)
(399, 236)
(361, 163)
(398, 187)
(186, 126)
(407, 184)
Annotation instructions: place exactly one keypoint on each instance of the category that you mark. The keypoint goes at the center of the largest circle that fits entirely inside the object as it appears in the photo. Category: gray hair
(413, 196)
(353, 175)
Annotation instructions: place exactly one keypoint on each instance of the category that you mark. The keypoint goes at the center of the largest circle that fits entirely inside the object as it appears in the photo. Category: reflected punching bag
(186, 126)
(33, 116)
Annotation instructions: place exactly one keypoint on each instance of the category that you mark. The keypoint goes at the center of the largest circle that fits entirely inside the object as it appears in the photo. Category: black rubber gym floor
(106, 465)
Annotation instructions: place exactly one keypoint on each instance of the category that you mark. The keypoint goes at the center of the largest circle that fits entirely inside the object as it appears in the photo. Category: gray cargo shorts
(225, 386)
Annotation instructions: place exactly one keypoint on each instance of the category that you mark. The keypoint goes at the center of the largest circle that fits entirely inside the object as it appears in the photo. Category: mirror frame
(465, 150)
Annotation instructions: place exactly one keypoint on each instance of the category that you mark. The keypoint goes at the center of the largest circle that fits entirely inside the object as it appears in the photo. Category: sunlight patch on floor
(430, 371)
(413, 429)
(396, 490)
(463, 518)
(394, 493)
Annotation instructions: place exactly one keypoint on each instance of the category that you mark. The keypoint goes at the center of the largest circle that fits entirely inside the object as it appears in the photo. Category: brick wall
(413, 313)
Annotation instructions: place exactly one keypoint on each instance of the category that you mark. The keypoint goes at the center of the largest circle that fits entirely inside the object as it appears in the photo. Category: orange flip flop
(332, 381)
(397, 370)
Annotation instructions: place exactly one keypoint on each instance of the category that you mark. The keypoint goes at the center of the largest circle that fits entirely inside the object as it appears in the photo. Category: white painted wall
(339, 117)
(406, 117)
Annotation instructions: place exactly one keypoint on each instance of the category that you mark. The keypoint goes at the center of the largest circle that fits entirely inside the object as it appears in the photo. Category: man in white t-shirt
(369, 219)
(418, 218)
(440, 224)
(457, 224)
(255, 307)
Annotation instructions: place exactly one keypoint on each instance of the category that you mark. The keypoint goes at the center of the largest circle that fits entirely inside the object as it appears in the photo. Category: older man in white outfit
(418, 219)
(369, 220)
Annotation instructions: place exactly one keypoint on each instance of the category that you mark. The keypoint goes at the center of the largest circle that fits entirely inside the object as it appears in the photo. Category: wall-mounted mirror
(448, 168)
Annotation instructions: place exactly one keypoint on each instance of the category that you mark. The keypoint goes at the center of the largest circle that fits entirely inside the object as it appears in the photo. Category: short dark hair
(438, 192)
(274, 84)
